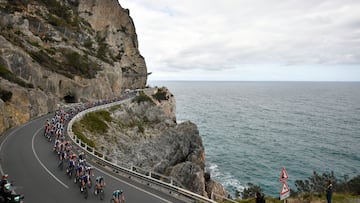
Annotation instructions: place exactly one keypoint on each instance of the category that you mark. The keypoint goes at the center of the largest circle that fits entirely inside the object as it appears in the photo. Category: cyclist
(5, 192)
(81, 156)
(79, 172)
(84, 181)
(89, 170)
(3, 182)
(57, 145)
(71, 166)
(118, 196)
(99, 184)
(62, 157)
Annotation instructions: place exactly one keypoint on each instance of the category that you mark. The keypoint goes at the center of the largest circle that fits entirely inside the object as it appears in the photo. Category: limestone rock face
(65, 51)
(216, 188)
(114, 23)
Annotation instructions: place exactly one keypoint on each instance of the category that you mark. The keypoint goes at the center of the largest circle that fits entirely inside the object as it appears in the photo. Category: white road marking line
(67, 187)
(1, 146)
(149, 193)
(47, 170)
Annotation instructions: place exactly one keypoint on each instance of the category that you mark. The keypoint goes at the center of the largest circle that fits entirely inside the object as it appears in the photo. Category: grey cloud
(236, 32)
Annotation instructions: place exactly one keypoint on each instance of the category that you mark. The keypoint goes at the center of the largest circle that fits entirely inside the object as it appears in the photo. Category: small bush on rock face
(141, 128)
(8, 75)
(81, 65)
(161, 95)
(142, 97)
(78, 132)
(94, 121)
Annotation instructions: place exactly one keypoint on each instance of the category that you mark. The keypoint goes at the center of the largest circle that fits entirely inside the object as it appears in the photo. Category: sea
(252, 130)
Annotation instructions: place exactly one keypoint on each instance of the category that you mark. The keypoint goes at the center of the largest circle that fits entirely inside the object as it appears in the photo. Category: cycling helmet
(7, 186)
(5, 176)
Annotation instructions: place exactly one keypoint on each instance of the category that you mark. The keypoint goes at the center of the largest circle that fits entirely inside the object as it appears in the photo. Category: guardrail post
(162, 181)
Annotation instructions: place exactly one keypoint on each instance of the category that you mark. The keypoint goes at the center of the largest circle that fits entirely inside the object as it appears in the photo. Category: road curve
(27, 157)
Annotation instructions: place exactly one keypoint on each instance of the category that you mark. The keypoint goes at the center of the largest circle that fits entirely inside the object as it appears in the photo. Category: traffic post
(284, 175)
(285, 190)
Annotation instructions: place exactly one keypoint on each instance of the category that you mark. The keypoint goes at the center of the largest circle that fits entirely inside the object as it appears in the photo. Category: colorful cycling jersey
(80, 168)
(99, 179)
(84, 178)
(71, 163)
(57, 142)
(117, 193)
(81, 162)
(63, 154)
(81, 156)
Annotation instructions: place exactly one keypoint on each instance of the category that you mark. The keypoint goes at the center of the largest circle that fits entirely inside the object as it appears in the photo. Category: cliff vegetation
(54, 52)
(144, 133)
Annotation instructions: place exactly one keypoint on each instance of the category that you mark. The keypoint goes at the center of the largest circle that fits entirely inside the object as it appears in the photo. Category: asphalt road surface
(27, 157)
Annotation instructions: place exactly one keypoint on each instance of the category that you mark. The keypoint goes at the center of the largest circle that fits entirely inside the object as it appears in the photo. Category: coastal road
(27, 157)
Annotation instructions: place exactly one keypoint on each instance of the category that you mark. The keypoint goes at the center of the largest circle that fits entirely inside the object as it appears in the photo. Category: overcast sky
(249, 40)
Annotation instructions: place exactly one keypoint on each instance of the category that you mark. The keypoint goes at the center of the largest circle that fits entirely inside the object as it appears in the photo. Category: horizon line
(344, 81)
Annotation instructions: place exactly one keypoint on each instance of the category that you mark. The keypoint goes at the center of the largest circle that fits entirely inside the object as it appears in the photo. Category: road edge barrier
(151, 178)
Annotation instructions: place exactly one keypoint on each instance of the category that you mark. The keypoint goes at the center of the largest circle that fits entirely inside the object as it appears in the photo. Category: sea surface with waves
(251, 130)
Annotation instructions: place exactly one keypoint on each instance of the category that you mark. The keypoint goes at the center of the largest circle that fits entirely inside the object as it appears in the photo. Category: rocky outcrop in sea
(144, 133)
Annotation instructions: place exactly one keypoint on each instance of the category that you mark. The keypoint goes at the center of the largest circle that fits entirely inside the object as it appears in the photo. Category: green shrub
(161, 95)
(114, 108)
(95, 121)
(141, 128)
(60, 10)
(81, 65)
(74, 64)
(250, 191)
(77, 129)
(142, 97)
(18, 32)
(56, 21)
(88, 43)
(51, 51)
(102, 50)
(8, 75)
(316, 183)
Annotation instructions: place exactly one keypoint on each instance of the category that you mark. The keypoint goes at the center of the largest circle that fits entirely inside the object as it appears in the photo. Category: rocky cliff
(144, 133)
(53, 52)
(61, 51)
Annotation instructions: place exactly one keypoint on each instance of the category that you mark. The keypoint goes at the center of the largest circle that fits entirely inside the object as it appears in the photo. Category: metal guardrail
(159, 180)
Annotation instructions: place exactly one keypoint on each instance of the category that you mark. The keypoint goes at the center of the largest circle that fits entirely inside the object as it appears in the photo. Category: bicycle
(84, 191)
(70, 171)
(100, 192)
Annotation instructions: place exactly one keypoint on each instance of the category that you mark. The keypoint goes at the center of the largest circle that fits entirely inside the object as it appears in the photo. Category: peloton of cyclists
(55, 128)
